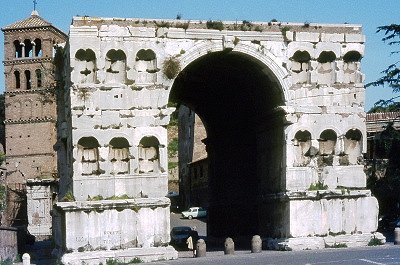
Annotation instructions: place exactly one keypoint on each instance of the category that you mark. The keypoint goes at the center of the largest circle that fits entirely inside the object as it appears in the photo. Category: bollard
(397, 236)
(229, 246)
(201, 248)
(256, 244)
(26, 259)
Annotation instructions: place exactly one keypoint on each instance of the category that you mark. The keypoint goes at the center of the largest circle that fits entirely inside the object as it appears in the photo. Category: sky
(369, 13)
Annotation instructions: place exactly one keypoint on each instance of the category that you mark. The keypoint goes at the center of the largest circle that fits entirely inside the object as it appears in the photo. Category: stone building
(30, 122)
(283, 108)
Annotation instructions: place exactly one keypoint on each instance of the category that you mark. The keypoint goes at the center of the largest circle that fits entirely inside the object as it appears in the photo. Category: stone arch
(86, 65)
(146, 66)
(149, 155)
(266, 58)
(118, 155)
(231, 90)
(115, 66)
(88, 155)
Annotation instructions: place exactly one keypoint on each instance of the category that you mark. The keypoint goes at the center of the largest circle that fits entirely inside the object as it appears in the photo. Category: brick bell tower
(30, 119)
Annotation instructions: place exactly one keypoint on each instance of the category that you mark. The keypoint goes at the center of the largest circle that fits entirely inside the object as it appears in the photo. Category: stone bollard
(256, 244)
(26, 259)
(229, 246)
(201, 248)
(397, 236)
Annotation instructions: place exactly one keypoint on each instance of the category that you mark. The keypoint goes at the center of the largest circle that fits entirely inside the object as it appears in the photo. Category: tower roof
(34, 21)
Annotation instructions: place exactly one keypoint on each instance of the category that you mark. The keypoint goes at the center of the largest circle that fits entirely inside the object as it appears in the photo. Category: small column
(33, 49)
(23, 50)
(229, 246)
(397, 236)
(256, 244)
(201, 248)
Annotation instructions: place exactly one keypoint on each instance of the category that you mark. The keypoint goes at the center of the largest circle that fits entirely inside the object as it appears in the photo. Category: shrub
(375, 242)
(215, 25)
(318, 186)
(171, 67)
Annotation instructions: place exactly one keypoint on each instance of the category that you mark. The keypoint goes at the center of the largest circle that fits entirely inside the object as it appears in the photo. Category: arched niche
(352, 146)
(146, 66)
(149, 155)
(118, 155)
(115, 66)
(85, 65)
(326, 67)
(327, 144)
(302, 147)
(88, 155)
(351, 67)
(300, 67)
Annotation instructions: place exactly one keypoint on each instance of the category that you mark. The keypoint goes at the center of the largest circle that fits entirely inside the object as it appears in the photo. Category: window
(17, 79)
(37, 48)
(28, 48)
(38, 77)
(28, 79)
(18, 49)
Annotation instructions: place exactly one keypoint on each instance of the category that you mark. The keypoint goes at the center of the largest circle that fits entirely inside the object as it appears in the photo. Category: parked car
(194, 212)
(179, 235)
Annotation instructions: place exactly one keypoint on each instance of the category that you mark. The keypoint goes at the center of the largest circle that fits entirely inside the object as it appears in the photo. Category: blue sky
(369, 13)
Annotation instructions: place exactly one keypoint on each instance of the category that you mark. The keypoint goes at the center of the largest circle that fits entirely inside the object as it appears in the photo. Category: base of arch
(316, 242)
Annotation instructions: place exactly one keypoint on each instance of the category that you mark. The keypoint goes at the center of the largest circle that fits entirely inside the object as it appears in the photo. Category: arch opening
(236, 97)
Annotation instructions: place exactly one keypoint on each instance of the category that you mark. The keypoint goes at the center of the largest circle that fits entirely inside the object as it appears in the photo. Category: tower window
(18, 49)
(17, 79)
(28, 79)
(39, 77)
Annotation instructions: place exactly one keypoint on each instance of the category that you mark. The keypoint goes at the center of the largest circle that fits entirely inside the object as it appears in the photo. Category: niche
(119, 156)
(115, 66)
(149, 155)
(326, 68)
(302, 147)
(351, 67)
(352, 147)
(85, 65)
(88, 155)
(146, 66)
(327, 144)
(300, 67)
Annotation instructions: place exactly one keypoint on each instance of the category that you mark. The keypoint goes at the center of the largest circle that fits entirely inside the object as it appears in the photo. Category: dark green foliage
(171, 67)
(375, 242)
(387, 188)
(215, 25)
(318, 186)
(173, 147)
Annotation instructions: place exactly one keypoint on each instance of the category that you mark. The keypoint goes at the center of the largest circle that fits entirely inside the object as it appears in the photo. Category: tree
(391, 75)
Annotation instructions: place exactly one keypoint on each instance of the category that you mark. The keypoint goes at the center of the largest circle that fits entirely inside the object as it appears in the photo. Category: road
(379, 255)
